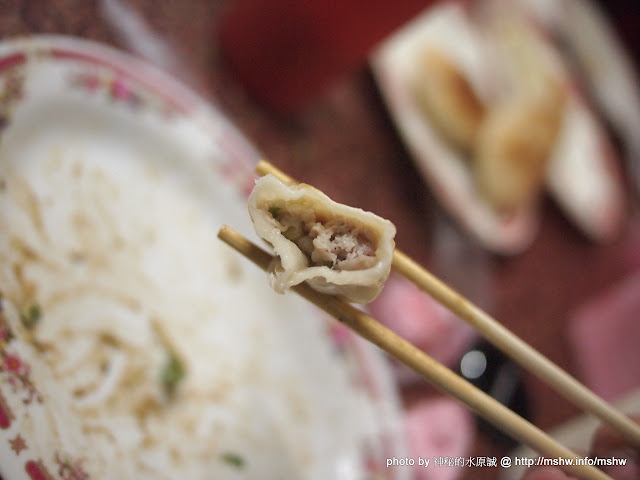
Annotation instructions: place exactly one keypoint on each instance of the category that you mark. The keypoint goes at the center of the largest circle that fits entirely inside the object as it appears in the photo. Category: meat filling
(332, 243)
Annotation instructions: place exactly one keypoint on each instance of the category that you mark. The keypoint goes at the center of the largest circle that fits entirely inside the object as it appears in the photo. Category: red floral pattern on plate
(37, 471)
(15, 371)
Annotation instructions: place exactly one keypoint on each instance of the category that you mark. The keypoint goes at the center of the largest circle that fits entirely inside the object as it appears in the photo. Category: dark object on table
(490, 370)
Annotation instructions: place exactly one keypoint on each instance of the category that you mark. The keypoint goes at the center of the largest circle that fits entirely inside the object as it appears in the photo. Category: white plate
(442, 168)
(583, 175)
(114, 180)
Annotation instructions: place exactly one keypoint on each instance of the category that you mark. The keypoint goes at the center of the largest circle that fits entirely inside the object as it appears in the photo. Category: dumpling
(447, 98)
(337, 249)
(514, 147)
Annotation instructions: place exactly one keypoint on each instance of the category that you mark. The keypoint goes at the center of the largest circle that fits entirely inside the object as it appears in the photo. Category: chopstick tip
(224, 231)
(263, 167)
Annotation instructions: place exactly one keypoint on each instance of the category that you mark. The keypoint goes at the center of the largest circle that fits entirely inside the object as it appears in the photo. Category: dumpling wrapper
(336, 249)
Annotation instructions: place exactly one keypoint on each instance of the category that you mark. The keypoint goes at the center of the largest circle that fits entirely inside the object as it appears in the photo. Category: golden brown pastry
(514, 146)
(448, 99)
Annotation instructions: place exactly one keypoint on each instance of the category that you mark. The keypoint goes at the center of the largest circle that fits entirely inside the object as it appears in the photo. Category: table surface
(346, 145)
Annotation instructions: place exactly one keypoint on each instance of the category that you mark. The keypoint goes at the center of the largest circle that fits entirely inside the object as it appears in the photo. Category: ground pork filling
(329, 242)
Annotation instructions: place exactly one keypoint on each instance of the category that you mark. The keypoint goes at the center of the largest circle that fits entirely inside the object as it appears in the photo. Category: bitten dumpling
(337, 249)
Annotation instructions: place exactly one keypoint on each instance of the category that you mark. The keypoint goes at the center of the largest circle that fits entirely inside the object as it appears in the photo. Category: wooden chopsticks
(445, 379)
(439, 375)
(514, 347)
